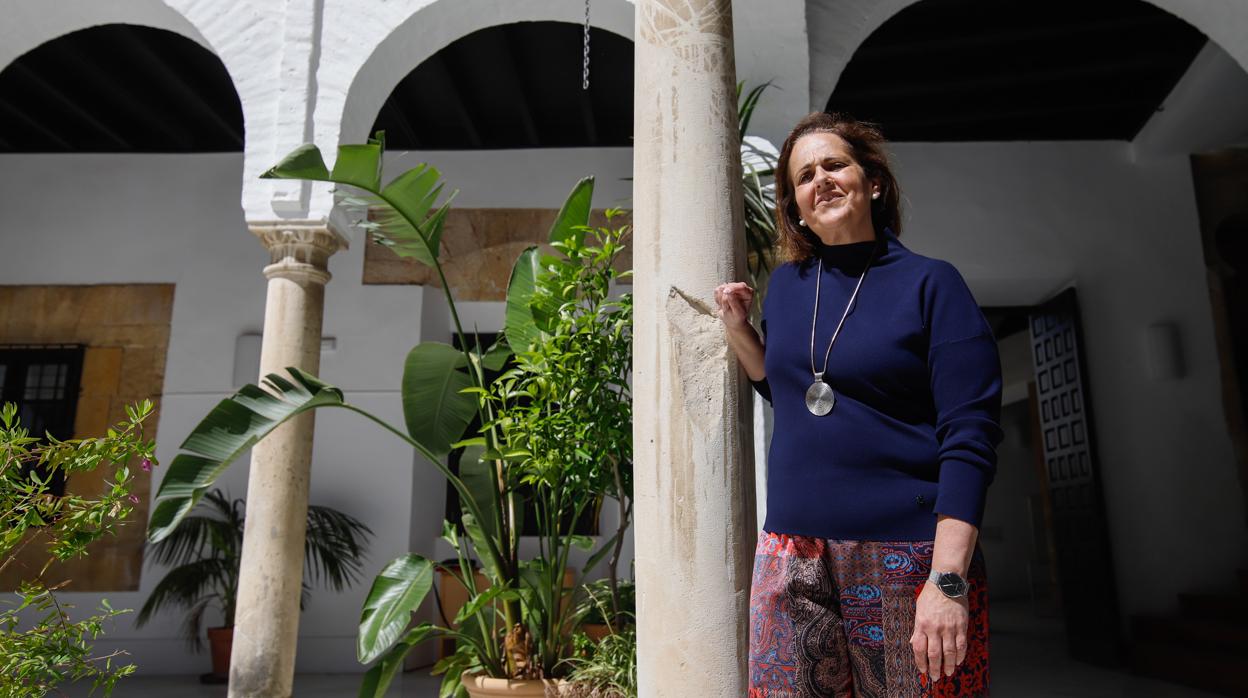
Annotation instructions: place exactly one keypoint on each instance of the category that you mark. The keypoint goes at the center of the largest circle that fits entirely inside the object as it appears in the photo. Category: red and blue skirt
(834, 618)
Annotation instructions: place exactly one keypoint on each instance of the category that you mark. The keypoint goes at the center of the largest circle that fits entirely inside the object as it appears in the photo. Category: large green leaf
(378, 678)
(232, 427)
(481, 483)
(496, 357)
(402, 215)
(519, 327)
(414, 192)
(399, 215)
(484, 598)
(436, 411)
(396, 593)
(359, 165)
(575, 211)
(304, 162)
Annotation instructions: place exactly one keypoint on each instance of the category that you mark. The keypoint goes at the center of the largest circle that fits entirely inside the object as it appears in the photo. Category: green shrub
(41, 645)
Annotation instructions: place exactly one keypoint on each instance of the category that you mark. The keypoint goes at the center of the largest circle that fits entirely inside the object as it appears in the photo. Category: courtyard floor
(1028, 661)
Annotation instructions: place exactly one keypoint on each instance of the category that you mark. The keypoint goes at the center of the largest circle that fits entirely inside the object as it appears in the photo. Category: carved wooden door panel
(1081, 534)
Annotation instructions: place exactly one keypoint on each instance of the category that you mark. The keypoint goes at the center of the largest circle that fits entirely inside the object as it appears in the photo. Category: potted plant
(604, 612)
(204, 551)
(519, 627)
(605, 667)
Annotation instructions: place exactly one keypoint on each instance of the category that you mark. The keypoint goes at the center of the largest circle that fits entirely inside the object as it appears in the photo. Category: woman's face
(832, 191)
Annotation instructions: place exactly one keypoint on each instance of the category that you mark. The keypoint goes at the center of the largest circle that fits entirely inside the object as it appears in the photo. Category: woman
(886, 384)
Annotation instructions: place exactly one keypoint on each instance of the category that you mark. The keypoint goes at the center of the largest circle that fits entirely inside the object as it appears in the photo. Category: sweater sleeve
(965, 373)
(762, 387)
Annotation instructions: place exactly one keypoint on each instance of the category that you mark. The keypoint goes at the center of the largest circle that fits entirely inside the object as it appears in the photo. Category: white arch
(32, 23)
(354, 91)
(246, 38)
(838, 27)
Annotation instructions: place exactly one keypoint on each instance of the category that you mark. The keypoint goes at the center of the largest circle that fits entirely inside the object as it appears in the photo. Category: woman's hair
(866, 144)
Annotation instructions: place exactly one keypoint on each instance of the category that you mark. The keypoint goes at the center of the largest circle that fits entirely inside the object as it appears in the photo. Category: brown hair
(866, 144)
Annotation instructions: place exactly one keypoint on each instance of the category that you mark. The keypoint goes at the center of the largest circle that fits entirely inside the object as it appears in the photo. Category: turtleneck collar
(854, 255)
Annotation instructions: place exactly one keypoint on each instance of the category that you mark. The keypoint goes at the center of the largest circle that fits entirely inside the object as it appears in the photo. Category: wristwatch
(951, 584)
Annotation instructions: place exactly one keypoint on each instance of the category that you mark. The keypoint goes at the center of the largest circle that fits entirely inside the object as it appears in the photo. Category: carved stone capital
(299, 250)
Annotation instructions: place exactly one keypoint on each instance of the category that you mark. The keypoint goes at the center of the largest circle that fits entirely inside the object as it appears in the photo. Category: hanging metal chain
(585, 68)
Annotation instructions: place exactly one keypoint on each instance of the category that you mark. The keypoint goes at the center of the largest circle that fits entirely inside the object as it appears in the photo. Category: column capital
(299, 250)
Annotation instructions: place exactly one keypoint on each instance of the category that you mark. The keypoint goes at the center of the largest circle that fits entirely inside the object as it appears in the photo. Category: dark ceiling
(941, 70)
(119, 88)
(1011, 70)
(515, 86)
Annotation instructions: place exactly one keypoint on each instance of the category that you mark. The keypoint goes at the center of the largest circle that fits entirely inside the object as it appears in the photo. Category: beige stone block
(91, 419)
(60, 309)
(23, 321)
(97, 307)
(479, 248)
(90, 484)
(140, 304)
(142, 374)
(101, 370)
(8, 306)
(129, 335)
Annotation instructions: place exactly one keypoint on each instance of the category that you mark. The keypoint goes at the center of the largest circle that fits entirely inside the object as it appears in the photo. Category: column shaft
(692, 434)
(266, 626)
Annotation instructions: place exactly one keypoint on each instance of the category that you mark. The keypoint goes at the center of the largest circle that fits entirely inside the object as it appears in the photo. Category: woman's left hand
(939, 639)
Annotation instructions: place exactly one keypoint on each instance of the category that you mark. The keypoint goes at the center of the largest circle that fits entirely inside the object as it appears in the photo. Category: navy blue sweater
(918, 397)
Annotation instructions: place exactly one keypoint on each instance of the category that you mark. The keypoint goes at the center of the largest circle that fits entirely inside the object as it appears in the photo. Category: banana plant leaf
(232, 427)
(399, 215)
(378, 678)
(574, 213)
(397, 591)
(435, 409)
(520, 326)
(481, 483)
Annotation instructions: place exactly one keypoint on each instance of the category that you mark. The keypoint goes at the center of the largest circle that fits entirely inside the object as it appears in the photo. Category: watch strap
(951, 584)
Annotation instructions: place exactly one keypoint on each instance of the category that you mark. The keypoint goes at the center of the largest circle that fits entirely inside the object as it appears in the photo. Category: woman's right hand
(734, 300)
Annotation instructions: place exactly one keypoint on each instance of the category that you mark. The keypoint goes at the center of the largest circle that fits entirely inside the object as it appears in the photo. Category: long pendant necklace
(820, 399)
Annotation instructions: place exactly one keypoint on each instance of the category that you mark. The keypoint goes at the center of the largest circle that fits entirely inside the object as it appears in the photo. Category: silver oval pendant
(819, 398)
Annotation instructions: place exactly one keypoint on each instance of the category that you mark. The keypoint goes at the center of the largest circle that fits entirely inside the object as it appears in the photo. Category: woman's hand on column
(734, 301)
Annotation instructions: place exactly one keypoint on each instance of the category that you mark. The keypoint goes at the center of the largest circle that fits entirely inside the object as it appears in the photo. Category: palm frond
(334, 547)
(745, 108)
(194, 622)
(187, 585)
(216, 531)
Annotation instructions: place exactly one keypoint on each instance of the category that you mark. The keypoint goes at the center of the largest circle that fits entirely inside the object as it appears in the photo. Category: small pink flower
(134, 499)
(146, 464)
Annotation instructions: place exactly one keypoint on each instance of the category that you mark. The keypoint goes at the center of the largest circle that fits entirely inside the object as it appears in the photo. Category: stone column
(693, 459)
(266, 625)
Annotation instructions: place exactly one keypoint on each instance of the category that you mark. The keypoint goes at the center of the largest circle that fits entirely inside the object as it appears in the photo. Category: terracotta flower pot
(596, 631)
(220, 641)
(479, 686)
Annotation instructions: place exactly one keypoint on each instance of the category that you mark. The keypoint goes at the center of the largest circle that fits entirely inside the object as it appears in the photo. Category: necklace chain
(815, 318)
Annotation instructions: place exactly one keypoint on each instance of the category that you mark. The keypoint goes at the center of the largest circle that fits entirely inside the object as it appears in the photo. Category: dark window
(587, 525)
(43, 381)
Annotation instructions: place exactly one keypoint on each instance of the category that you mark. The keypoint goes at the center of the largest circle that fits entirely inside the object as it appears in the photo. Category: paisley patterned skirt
(834, 618)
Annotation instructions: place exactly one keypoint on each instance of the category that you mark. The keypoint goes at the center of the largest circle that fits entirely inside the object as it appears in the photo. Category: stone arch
(837, 30)
(353, 94)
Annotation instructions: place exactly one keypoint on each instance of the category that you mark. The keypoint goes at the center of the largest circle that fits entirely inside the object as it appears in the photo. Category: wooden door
(1085, 569)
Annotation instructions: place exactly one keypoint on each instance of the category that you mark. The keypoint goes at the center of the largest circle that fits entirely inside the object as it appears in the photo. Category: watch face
(951, 584)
